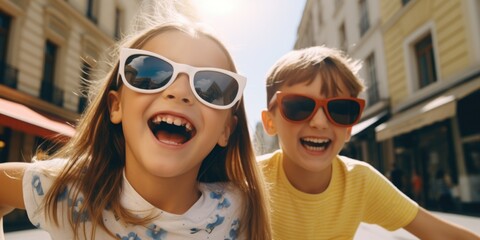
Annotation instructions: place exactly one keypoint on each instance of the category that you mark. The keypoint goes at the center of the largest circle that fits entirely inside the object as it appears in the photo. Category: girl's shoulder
(46, 166)
(40, 175)
(42, 172)
(38, 179)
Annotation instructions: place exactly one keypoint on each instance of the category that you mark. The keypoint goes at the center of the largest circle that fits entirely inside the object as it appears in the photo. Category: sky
(257, 33)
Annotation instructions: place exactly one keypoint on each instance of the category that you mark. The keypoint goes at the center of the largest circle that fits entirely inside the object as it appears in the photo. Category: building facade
(46, 48)
(422, 58)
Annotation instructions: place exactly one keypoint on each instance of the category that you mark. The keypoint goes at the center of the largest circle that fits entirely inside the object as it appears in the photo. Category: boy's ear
(229, 127)
(349, 134)
(268, 124)
(114, 107)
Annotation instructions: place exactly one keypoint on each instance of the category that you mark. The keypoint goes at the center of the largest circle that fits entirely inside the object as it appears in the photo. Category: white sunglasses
(148, 72)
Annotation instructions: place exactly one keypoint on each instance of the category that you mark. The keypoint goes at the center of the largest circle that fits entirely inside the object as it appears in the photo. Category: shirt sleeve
(37, 180)
(387, 206)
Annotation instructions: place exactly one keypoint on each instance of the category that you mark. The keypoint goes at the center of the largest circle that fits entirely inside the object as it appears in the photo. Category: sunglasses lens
(215, 87)
(344, 111)
(147, 72)
(297, 108)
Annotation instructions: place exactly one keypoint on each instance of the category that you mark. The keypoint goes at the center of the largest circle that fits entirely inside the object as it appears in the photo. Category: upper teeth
(316, 140)
(173, 120)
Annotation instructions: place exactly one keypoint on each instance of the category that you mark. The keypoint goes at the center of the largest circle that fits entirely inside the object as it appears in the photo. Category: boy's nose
(179, 90)
(319, 120)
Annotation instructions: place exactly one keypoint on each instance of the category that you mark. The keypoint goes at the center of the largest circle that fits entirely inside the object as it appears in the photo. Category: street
(368, 231)
(365, 231)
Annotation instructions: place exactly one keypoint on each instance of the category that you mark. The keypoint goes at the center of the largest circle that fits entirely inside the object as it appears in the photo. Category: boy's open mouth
(171, 129)
(315, 144)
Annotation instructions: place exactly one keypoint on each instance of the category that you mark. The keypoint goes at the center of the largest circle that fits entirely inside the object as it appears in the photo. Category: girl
(162, 151)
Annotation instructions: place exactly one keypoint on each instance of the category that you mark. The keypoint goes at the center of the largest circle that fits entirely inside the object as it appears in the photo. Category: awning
(429, 112)
(358, 128)
(21, 118)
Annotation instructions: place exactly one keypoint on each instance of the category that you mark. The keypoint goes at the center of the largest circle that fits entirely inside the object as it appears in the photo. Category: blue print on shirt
(156, 233)
(210, 227)
(37, 185)
(233, 234)
(63, 195)
(217, 222)
(222, 201)
(78, 216)
(130, 236)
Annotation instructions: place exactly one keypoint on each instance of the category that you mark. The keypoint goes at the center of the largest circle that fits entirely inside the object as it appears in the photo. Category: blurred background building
(421, 66)
(422, 69)
(46, 48)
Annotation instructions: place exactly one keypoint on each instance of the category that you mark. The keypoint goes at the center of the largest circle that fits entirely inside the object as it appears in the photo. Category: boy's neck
(306, 181)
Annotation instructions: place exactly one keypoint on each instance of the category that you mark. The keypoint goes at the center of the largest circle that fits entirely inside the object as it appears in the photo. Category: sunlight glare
(216, 7)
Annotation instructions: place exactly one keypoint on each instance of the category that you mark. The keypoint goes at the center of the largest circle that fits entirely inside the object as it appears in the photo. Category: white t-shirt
(216, 215)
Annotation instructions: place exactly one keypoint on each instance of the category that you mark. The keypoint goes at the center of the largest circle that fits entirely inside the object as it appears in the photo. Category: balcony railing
(51, 93)
(8, 75)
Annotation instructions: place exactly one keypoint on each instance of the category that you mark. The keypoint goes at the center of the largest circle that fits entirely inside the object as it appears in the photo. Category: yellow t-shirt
(357, 193)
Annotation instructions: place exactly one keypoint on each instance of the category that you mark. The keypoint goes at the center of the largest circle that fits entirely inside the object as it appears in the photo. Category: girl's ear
(114, 107)
(268, 124)
(223, 140)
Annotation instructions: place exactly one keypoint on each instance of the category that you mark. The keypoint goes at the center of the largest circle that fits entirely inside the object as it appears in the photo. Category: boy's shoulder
(269, 158)
(270, 163)
(353, 165)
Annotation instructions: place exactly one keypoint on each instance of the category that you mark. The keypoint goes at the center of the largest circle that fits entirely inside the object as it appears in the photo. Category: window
(404, 2)
(425, 61)
(364, 22)
(49, 91)
(82, 102)
(343, 38)
(118, 23)
(92, 10)
(8, 75)
(372, 83)
(4, 30)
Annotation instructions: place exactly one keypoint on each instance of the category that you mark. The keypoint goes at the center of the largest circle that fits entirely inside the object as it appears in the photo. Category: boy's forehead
(329, 87)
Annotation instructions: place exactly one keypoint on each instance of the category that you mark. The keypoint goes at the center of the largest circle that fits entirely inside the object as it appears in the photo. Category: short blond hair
(303, 65)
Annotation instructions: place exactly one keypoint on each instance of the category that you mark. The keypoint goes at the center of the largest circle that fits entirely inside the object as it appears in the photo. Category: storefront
(22, 131)
(439, 139)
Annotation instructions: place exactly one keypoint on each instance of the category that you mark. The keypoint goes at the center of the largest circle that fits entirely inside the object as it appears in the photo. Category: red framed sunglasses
(340, 111)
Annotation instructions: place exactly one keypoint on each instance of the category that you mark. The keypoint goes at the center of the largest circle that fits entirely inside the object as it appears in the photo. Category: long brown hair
(96, 157)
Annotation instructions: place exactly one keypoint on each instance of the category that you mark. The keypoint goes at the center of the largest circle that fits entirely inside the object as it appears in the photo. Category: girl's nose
(179, 90)
(319, 120)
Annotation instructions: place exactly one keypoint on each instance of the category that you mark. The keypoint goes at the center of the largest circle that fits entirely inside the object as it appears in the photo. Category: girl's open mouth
(171, 129)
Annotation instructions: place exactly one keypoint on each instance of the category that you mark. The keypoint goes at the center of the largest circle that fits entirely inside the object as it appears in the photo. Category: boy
(316, 194)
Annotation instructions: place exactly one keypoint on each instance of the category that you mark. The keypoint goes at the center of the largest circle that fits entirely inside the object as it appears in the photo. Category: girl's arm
(11, 190)
(427, 226)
